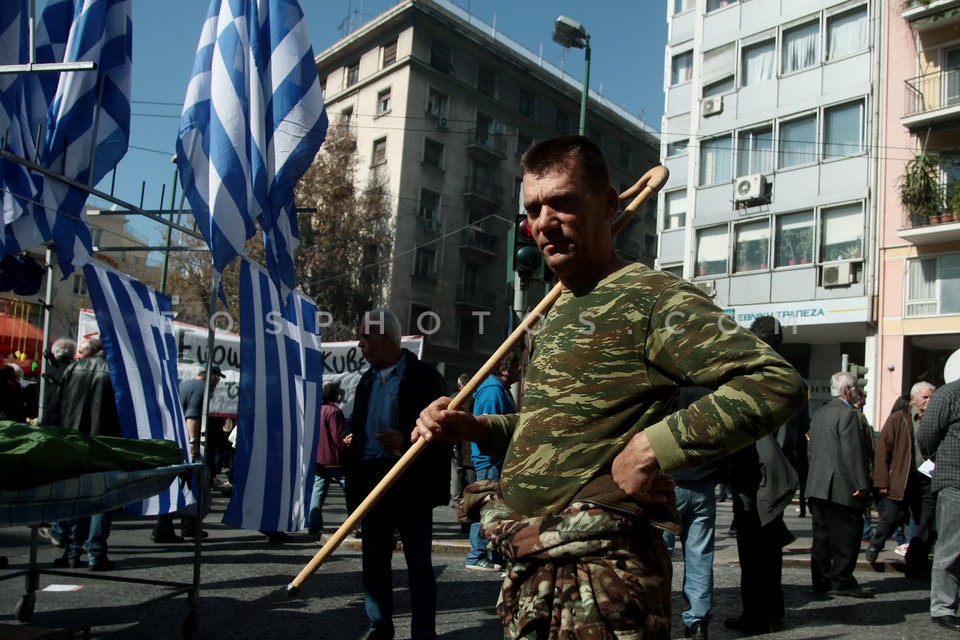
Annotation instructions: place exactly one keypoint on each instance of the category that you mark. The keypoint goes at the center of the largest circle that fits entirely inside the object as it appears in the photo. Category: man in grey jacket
(838, 485)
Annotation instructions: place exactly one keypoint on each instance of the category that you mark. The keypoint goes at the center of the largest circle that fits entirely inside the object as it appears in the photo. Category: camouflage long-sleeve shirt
(609, 362)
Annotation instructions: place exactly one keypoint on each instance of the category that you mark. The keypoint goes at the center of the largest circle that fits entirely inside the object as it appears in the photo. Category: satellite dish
(951, 370)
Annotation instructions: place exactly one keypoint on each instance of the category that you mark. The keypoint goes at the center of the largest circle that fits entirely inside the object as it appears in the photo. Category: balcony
(481, 192)
(930, 14)
(475, 240)
(475, 297)
(485, 146)
(922, 230)
(932, 99)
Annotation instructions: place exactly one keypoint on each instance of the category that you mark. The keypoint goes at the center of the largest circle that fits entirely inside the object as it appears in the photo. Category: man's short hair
(513, 357)
(463, 379)
(568, 151)
(768, 329)
(840, 381)
(63, 349)
(94, 346)
(386, 321)
(918, 387)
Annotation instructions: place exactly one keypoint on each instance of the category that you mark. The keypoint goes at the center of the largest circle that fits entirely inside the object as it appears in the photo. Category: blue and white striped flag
(136, 326)
(252, 123)
(88, 123)
(278, 408)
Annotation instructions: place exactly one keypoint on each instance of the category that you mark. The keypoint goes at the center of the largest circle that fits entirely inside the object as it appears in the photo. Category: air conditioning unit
(750, 188)
(711, 106)
(441, 122)
(431, 224)
(836, 274)
(709, 287)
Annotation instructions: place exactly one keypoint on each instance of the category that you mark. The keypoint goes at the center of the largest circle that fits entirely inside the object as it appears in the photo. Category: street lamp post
(567, 32)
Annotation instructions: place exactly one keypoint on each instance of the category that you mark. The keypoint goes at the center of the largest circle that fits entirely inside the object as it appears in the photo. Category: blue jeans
(416, 534)
(478, 544)
(92, 531)
(321, 486)
(945, 576)
(697, 504)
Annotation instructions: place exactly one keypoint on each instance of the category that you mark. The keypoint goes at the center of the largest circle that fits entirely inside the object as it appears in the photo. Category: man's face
(570, 222)
(920, 400)
(373, 343)
(513, 373)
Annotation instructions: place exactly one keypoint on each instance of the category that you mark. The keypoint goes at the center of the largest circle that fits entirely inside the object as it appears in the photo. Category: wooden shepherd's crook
(648, 184)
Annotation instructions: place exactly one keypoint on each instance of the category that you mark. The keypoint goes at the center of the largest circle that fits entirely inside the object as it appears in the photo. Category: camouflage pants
(586, 574)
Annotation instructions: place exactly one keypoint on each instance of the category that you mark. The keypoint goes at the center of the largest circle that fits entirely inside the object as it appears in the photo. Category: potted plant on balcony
(952, 211)
(920, 188)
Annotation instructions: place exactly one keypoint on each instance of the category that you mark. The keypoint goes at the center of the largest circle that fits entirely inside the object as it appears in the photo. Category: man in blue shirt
(491, 397)
(390, 396)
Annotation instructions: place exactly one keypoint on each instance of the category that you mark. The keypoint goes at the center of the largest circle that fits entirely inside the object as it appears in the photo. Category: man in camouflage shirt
(599, 409)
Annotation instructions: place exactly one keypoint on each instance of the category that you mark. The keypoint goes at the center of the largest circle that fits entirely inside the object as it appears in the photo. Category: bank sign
(807, 312)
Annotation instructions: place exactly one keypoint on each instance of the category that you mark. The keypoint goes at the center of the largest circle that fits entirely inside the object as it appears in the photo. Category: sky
(627, 39)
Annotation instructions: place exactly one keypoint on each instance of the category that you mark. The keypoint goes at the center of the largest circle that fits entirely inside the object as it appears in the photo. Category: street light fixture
(567, 32)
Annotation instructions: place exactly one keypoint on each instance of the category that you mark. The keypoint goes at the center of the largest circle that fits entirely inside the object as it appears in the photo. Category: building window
(724, 85)
(794, 239)
(526, 105)
(713, 5)
(562, 123)
(432, 152)
(681, 68)
(389, 54)
(437, 104)
(711, 251)
(425, 263)
(678, 148)
(679, 6)
(843, 130)
(79, 284)
(716, 160)
(441, 57)
(798, 141)
(353, 74)
(758, 62)
(383, 102)
(755, 151)
(379, 151)
(524, 142)
(323, 87)
(841, 233)
(752, 247)
(847, 33)
(421, 320)
(486, 81)
(933, 286)
(429, 206)
(801, 47)
(675, 209)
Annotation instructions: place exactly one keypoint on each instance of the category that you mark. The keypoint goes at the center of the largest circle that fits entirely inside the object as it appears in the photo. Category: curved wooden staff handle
(648, 184)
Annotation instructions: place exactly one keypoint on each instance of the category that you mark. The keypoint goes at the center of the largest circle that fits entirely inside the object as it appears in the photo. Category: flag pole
(648, 184)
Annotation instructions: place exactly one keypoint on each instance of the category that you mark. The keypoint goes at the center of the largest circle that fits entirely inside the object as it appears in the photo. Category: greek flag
(87, 124)
(278, 408)
(252, 123)
(136, 326)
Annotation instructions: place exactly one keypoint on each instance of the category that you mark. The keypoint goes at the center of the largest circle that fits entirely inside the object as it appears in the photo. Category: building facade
(919, 253)
(770, 132)
(442, 107)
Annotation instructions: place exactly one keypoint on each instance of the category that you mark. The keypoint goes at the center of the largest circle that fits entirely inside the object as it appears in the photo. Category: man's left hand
(392, 441)
(637, 472)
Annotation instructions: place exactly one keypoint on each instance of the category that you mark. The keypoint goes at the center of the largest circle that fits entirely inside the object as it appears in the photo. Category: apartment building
(919, 253)
(442, 106)
(770, 132)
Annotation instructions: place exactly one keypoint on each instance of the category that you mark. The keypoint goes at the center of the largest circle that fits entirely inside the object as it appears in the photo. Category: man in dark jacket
(87, 404)
(389, 398)
(838, 485)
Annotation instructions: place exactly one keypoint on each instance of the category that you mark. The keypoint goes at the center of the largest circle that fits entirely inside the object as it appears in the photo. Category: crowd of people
(627, 425)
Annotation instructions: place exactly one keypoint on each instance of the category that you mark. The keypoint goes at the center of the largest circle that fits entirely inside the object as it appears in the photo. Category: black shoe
(277, 537)
(166, 538)
(748, 625)
(950, 622)
(697, 631)
(103, 565)
(192, 533)
(4, 562)
(871, 554)
(63, 562)
(853, 592)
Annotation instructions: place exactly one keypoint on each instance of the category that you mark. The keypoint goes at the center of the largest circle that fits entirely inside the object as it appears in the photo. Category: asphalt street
(243, 580)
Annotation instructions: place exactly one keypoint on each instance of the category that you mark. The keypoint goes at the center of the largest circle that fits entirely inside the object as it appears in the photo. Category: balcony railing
(475, 238)
(482, 142)
(479, 297)
(477, 187)
(932, 91)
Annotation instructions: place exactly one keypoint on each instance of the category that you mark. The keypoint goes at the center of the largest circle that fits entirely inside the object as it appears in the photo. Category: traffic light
(859, 373)
(527, 260)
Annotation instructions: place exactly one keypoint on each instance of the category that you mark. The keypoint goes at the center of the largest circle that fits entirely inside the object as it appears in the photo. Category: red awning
(17, 334)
